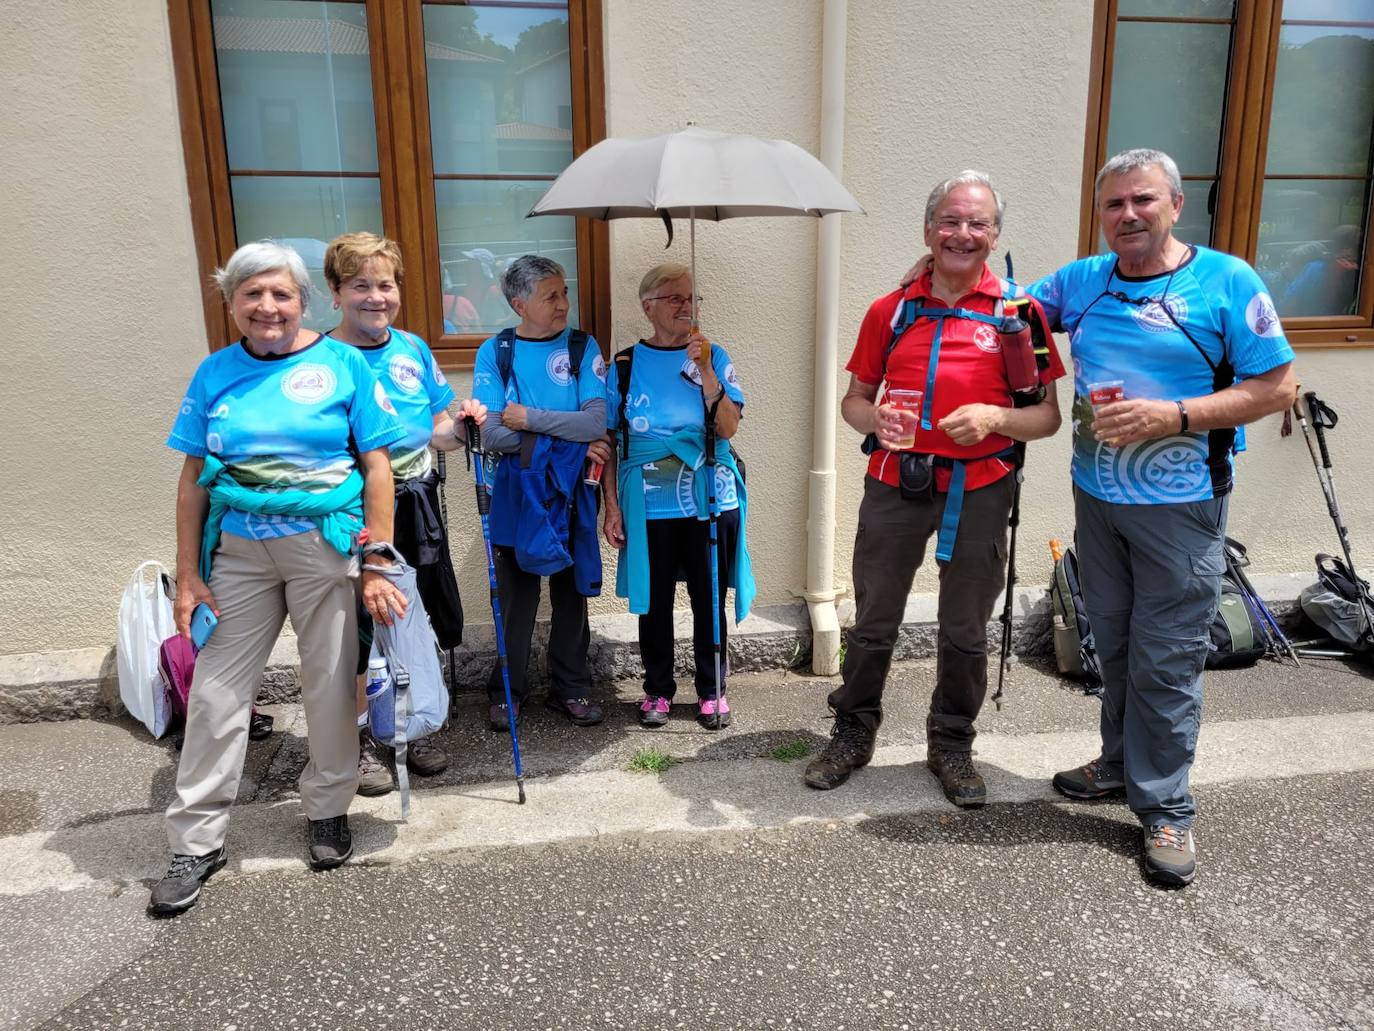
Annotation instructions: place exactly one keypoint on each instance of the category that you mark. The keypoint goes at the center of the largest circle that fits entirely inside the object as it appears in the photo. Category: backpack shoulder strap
(624, 362)
(505, 354)
(577, 350)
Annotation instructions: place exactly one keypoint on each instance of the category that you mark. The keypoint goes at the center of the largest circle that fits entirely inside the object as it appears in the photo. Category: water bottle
(377, 677)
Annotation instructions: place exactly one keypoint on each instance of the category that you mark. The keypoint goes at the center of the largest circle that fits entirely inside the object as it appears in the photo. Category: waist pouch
(916, 476)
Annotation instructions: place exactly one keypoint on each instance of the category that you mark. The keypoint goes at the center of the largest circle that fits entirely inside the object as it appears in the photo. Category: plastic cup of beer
(1106, 392)
(908, 403)
(592, 476)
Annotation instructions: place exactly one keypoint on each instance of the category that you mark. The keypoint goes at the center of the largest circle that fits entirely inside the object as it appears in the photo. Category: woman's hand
(699, 351)
(969, 424)
(473, 409)
(599, 450)
(916, 271)
(515, 417)
(191, 591)
(613, 526)
(381, 597)
(892, 425)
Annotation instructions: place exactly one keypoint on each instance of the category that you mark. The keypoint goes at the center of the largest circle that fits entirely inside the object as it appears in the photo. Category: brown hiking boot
(374, 777)
(958, 778)
(850, 748)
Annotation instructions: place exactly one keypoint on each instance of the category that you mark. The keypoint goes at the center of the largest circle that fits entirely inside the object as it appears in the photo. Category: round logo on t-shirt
(690, 370)
(309, 384)
(730, 376)
(985, 337)
(383, 399)
(599, 367)
(1261, 317)
(405, 373)
(1152, 314)
(559, 368)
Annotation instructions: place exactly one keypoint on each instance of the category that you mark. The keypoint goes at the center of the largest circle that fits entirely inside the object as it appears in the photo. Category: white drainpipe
(820, 518)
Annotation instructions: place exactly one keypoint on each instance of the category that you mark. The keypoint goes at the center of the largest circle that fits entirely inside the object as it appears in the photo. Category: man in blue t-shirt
(1174, 346)
(540, 393)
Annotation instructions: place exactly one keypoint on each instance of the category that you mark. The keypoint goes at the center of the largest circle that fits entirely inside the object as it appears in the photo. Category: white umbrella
(695, 173)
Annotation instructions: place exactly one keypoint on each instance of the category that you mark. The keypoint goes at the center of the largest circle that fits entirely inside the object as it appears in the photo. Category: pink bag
(177, 661)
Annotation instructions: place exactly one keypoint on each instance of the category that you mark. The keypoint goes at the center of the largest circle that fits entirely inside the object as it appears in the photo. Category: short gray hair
(968, 177)
(1141, 157)
(525, 273)
(253, 259)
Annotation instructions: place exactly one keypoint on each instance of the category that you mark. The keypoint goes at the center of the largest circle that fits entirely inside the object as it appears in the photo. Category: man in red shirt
(952, 353)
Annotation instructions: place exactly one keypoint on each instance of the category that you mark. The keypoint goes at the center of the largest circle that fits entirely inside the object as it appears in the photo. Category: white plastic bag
(145, 621)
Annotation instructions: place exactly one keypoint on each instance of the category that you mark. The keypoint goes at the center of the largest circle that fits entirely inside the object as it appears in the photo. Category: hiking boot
(180, 885)
(374, 778)
(653, 711)
(712, 718)
(424, 758)
(1170, 856)
(850, 748)
(582, 712)
(1088, 783)
(958, 777)
(499, 716)
(331, 842)
(259, 726)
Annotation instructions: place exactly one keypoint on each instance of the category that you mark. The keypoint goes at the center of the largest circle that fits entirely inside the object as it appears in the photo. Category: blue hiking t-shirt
(541, 375)
(284, 423)
(664, 397)
(1119, 329)
(406, 368)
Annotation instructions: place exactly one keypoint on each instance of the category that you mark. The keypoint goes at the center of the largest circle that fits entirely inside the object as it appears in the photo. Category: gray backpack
(1333, 603)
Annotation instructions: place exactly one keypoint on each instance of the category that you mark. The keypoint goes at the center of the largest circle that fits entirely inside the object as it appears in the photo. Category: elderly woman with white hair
(285, 434)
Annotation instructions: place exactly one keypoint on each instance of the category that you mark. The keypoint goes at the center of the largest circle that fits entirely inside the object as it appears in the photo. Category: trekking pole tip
(520, 786)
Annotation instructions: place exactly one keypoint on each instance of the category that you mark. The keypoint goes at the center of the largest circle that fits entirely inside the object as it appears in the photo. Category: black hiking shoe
(259, 726)
(958, 777)
(180, 885)
(1088, 783)
(850, 748)
(498, 716)
(581, 712)
(331, 842)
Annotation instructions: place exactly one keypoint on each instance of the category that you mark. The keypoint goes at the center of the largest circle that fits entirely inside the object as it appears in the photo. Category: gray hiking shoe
(1170, 856)
(180, 885)
(374, 777)
(424, 758)
(1088, 783)
(958, 777)
(331, 842)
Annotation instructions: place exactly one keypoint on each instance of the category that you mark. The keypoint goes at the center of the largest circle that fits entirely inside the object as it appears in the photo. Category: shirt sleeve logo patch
(690, 370)
(730, 376)
(559, 368)
(1261, 317)
(309, 384)
(383, 399)
(405, 373)
(986, 339)
(599, 367)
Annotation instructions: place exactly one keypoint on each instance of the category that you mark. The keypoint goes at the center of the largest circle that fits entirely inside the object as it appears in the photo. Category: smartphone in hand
(203, 622)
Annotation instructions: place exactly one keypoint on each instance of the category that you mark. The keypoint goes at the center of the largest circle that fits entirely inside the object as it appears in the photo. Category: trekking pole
(441, 467)
(1269, 625)
(474, 447)
(1324, 418)
(711, 509)
(1013, 522)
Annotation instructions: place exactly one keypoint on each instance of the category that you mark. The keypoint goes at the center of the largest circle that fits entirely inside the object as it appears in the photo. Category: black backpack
(1236, 636)
(1075, 652)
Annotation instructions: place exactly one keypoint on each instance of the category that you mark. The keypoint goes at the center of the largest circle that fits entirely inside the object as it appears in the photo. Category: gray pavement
(721, 893)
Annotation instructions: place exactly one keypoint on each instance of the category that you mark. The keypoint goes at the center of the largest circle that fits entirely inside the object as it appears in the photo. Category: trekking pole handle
(474, 433)
(1314, 410)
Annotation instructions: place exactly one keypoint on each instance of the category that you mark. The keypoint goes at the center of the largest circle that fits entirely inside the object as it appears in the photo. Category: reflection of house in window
(463, 88)
(307, 78)
(541, 141)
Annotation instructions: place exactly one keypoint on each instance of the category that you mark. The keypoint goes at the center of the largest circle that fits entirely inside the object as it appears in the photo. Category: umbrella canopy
(695, 173)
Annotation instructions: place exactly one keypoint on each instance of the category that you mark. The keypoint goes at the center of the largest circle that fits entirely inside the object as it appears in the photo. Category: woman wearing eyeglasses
(658, 501)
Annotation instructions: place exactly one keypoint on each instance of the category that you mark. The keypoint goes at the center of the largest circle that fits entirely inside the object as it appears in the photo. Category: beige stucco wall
(96, 224)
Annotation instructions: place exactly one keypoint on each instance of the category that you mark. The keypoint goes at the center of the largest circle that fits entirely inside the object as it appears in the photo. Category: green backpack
(1237, 639)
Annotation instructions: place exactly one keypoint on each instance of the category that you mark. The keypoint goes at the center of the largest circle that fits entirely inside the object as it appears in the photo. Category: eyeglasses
(678, 300)
(976, 226)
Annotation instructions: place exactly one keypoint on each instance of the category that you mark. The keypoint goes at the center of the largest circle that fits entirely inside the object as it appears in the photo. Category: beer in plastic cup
(908, 401)
(1106, 392)
(592, 477)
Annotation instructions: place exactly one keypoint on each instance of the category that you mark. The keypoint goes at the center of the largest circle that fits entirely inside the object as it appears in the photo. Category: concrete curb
(81, 683)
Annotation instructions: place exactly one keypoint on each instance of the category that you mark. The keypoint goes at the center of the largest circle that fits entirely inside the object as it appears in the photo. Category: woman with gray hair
(285, 434)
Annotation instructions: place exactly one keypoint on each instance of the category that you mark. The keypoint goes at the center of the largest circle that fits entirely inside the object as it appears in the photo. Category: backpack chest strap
(913, 309)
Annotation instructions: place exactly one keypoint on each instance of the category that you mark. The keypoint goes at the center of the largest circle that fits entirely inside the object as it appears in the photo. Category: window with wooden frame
(1267, 106)
(435, 122)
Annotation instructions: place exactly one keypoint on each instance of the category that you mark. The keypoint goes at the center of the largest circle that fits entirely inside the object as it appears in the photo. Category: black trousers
(679, 549)
(890, 545)
(570, 635)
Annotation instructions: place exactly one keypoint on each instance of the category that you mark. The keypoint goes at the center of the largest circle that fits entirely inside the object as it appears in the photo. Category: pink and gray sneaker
(653, 711)
(712, 718)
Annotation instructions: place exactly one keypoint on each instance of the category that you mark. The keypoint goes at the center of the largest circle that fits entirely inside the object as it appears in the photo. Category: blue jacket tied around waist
(688, 445)
(542, 509)
(338, 512)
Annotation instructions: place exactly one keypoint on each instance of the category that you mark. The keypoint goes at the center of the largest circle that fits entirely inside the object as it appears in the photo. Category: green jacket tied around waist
(338, 512)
